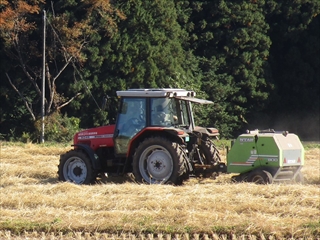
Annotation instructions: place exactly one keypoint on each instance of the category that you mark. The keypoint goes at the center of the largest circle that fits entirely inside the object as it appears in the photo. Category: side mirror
(105, 102)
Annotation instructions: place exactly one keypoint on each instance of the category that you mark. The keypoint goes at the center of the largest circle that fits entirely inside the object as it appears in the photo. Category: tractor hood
(99, 136)
(195, 100)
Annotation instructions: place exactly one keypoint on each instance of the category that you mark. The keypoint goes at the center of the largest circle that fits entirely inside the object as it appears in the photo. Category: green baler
(266, 156)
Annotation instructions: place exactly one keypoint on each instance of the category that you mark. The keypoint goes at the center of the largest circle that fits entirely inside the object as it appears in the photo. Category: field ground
(34, 205)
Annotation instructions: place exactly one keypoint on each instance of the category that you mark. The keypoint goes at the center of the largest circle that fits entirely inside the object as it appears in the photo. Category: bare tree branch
(23, 66)
(70, 100)
(53, 82)
(62, 69)
(23, 98)
(51, 88)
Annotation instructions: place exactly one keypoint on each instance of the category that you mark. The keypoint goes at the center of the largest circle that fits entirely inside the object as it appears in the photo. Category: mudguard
(211, 132)
(91, 154)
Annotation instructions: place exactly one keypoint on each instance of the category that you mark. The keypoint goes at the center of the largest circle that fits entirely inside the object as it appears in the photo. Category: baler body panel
(267, 151)
(264, 150)
(249, 152)
(242, 148)
(292, 153)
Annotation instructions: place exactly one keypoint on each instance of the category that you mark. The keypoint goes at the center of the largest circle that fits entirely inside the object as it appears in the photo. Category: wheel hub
(75, 170)
(156, 164)
(258, 179)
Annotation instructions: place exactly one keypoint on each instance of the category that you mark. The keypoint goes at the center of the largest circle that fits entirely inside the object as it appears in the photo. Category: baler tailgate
(292, 157)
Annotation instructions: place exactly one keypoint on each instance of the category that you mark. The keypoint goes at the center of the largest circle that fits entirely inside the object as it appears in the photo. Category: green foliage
(294, 63)
(257, 60)
(26, 138)
(296, 55)
(311, 145)
(230, 38)
(17, 226)
(14, 117)
(58, 128)
(314, 227)
(147, 51)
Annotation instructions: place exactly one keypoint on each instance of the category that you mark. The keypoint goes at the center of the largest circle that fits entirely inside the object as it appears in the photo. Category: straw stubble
(31, 198)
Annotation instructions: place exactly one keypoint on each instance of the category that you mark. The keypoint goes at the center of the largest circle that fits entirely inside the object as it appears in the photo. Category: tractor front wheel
(260, 177)
(157, 160)
(75, 166)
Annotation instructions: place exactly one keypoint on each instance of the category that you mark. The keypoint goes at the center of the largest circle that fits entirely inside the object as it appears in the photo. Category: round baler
(266, 156)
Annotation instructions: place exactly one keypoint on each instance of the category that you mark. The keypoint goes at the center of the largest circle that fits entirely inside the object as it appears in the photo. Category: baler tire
(158, 160)
(259, 176)
(75, 166)
(210, 154)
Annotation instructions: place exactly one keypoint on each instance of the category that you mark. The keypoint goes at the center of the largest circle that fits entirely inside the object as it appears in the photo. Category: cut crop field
(35, 205)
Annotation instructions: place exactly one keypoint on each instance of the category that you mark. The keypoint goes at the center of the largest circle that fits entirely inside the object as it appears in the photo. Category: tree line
(257, 60)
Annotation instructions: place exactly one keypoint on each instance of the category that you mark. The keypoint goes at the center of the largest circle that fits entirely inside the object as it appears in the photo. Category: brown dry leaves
(12, 16)
(30, 193)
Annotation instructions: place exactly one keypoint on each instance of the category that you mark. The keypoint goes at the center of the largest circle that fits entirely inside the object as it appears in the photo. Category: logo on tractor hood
(95, 136)
(87, 133)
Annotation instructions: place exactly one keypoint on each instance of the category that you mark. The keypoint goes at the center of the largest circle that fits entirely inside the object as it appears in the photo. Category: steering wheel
(133, 125)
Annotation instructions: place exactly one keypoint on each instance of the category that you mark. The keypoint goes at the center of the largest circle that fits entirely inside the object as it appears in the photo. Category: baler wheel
(259, 176)
(157, 160)
(75, 166)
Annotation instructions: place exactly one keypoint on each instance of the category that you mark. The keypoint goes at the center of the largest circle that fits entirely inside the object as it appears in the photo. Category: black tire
(240, 178)
(75, 166)
(157, 160)
(209, 154)
(260, 177)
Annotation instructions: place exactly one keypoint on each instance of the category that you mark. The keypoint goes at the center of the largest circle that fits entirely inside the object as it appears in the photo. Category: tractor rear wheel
(259, 176)
(157, 160)
(75, 166)
(210, 156)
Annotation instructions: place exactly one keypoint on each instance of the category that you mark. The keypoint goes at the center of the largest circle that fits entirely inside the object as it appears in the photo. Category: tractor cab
(152, 109)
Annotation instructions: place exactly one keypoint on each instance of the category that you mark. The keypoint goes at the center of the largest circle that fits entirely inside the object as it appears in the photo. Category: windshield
(169, 112)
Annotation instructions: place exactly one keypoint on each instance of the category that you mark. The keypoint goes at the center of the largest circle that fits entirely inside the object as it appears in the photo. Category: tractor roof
(163, 92)
(156, 92)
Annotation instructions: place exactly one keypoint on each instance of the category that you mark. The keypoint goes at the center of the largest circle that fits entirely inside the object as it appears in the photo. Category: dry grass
(32, 199)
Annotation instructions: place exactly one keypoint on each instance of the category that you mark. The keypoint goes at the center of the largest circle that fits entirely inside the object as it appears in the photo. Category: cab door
(131, 120)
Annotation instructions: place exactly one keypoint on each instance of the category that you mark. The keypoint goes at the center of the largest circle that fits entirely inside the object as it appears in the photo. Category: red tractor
(154, 138)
